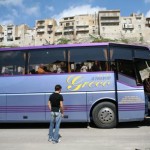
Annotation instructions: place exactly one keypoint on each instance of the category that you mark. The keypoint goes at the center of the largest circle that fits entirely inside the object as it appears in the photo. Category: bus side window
(126, 67)
(12, 63)
(87, 59)
(54, 60)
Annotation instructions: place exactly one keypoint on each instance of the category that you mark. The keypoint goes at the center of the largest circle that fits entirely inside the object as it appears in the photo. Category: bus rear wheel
(104, 115)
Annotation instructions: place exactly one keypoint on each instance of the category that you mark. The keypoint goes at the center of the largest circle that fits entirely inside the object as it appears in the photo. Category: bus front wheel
(104, 115)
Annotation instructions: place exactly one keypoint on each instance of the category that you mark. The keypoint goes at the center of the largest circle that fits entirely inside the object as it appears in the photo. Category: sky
(19, 12)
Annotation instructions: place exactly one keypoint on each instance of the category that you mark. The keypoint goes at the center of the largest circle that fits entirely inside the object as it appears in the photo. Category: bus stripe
(132, 107)
(67, 108)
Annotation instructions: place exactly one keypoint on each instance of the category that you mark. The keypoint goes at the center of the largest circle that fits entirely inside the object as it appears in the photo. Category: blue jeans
(146, 104)
(55, 121)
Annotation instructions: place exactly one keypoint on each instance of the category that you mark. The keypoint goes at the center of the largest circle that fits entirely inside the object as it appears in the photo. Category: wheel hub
(106, 115)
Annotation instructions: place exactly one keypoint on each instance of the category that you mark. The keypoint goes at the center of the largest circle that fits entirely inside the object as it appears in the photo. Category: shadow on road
(39, 125)
(134, 124)
(69, 125)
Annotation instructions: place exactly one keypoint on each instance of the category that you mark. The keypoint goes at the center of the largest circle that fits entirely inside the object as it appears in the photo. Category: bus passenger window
(87, 59)
(54, 61)
(12, 63)
(126, 67)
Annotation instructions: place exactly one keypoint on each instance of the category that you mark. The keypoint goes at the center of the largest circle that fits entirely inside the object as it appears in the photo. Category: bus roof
(72, 45)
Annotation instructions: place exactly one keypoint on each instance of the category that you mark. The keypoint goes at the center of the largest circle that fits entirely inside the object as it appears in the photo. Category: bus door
(143, 74)
(130, 95)
(3, 108)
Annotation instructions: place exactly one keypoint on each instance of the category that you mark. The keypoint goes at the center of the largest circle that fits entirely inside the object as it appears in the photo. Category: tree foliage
(63, 41)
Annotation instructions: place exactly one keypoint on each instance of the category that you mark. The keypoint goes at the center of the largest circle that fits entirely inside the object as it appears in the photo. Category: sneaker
(55, 142)
(60, 136)
(50, 140)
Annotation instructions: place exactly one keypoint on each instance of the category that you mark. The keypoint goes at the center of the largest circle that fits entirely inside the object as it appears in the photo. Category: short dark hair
(58, 87)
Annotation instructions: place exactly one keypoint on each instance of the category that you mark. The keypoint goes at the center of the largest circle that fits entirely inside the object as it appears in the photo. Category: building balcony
(127, 26)
(69, 33)
(82, 33)
(1, 35)
(147, 24)
(50, 29)
(40, 24)
(50, 25)
(68, 29)
(1, 39)
(58, 31)
(40, 30)
(68, 26)
(110, 21)
(17, 38)
(82, 29)
(68, 19)
(9, 31)
(9, 37)
(109, 13)
(82, 25)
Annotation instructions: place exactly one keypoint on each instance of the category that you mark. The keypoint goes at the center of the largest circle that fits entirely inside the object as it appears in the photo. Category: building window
(139, 26)
(67, 24)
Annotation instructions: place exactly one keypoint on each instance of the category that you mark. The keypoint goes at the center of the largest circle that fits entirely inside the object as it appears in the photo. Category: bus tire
(104, 115)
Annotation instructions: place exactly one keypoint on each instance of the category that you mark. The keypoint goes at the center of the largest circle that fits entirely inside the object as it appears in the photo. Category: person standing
(55, 105)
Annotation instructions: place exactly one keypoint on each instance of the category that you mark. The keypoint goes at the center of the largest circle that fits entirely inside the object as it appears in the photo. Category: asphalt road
(76, 136)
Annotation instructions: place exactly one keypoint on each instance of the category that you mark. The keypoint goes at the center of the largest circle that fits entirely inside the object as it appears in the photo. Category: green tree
(63, 41)
(125, 40)
(101, 39)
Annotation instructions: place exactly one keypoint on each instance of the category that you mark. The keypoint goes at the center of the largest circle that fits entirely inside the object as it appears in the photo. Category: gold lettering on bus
(76, 83)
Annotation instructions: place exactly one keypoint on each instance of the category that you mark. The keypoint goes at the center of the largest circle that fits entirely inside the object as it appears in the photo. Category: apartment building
(59, 33)
(133, 27)
(109, 24)
(44, 34)
(77, 27)
(23, 34)
(67, 25)
(1, 34)
(147, 31)
(11, 35)
(29, 37)
(86, 25)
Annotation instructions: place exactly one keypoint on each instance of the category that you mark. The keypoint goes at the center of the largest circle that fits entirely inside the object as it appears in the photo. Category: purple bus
(105, 83)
